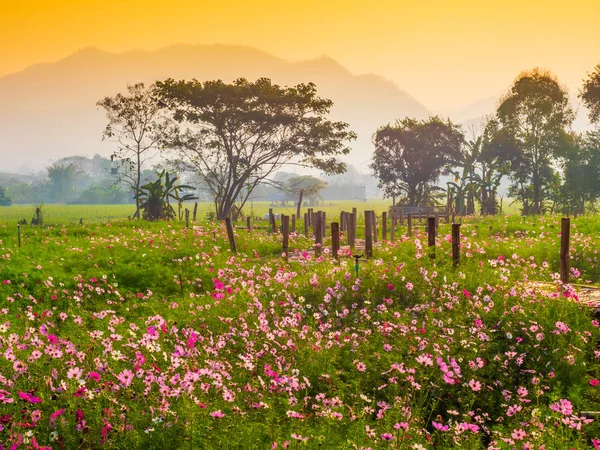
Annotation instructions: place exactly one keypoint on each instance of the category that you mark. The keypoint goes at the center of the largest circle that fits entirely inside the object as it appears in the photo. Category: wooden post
(310, 217)
(19, 234)
(195, 211)
(431, 235)
(342, 227)
(272, 220)
(455, 244)
(374, 225)
(324, 223)
(393, 229)
(351, 230)
(401, 217)
(318, 233)
(368, 234)
(285, 228)
(306, 224)
(187, 218)
(410, 225)
(335, 239)
(248, 224)
(565, 234)
(293, 223)
(384, 226)
(230, 234)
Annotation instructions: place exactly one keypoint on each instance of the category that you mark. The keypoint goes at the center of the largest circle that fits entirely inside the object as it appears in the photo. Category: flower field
(134, 335)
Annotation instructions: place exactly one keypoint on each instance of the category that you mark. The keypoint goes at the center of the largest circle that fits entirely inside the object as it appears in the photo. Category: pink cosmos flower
(217, 414)
(387, 437)
(126, 378)
(29, 397)
(594, 382)
(361, 367)
(439, 426)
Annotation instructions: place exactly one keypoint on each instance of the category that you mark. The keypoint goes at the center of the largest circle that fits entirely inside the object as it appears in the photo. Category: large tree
(135, 122)
(62, 181)
(590, 94)
(411, 155)
(237, 135)
(536, 114)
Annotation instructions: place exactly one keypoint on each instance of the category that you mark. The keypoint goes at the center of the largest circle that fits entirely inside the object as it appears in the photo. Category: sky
(446, 53)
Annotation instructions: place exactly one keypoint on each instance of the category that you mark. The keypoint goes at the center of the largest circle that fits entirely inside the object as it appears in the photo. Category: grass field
(126, 334)
(65, 214)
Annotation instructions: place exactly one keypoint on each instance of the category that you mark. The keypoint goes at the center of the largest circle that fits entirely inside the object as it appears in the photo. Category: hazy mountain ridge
(48, 110)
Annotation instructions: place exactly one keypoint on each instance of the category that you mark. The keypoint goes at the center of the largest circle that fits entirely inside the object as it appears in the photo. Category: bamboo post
(318, 233)
(248, 224)
(565, 234)
(455, 244)
(306, 224)
(195, 211)
(335, 239)
(230, 234)
(368, 234)
(431, 235)
(384, 226)
(285, 228)
(410, 225)
(293, 223)
(351, 230)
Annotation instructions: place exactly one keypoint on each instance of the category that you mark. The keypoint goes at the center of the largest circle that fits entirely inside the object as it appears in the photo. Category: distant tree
(411, 155)
(4, 199)
(536, 114)
(155, 197)
(135, 122)
(62, 181)
(590, 94)
(304, 185)
(237, 135)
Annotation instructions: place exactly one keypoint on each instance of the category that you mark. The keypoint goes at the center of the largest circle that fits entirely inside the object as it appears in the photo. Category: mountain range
(48, 111)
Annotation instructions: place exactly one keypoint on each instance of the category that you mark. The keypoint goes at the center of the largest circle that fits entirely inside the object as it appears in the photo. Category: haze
(454, 57)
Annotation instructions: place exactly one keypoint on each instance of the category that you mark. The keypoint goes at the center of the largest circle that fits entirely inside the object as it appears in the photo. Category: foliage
(411, 155)
(534, 115)
(62, 179)
(237, 135)
(135, 122)
(4, 199)
(163, 339)
(154, 197)
(590, 94)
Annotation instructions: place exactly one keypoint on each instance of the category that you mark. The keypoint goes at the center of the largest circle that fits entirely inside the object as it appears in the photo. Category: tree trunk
(299, 206)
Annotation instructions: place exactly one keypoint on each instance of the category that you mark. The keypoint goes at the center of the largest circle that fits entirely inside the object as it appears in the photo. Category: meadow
(126, 334)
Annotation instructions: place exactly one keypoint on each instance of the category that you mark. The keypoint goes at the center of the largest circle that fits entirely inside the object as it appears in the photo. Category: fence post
(351, 229)
(565, 234)
(293, 223)
(19, 234)
(374, 225)
(431, 235)
(384, 226)
(318, 233)
(306, 224)
(410, 225)
(393, 229)
(324, 224)
(368, 234)
(285, 226)
(230, 234)
(195, 211)
(455, 244)
(187, 218)
(310, 217)
(335, 239)
(248, 224)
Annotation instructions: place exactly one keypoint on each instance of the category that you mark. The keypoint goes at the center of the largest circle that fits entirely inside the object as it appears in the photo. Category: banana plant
(155, 197)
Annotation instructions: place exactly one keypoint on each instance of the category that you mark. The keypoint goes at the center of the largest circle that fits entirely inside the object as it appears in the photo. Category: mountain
(48, 111)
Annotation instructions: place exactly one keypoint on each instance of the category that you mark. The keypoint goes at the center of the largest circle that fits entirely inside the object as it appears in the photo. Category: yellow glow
(444, 52)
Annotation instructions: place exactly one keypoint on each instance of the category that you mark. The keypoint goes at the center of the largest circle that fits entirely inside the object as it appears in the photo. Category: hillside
(48, 111)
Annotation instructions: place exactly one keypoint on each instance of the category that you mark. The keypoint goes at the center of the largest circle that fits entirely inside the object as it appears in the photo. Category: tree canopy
(236, 135)
(411, 155)
(590, 94)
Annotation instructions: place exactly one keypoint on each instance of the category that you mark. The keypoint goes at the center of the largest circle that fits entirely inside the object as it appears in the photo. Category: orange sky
(447, 53)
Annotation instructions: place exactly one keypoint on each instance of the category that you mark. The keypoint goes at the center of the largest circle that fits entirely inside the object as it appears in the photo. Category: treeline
(528, 140)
